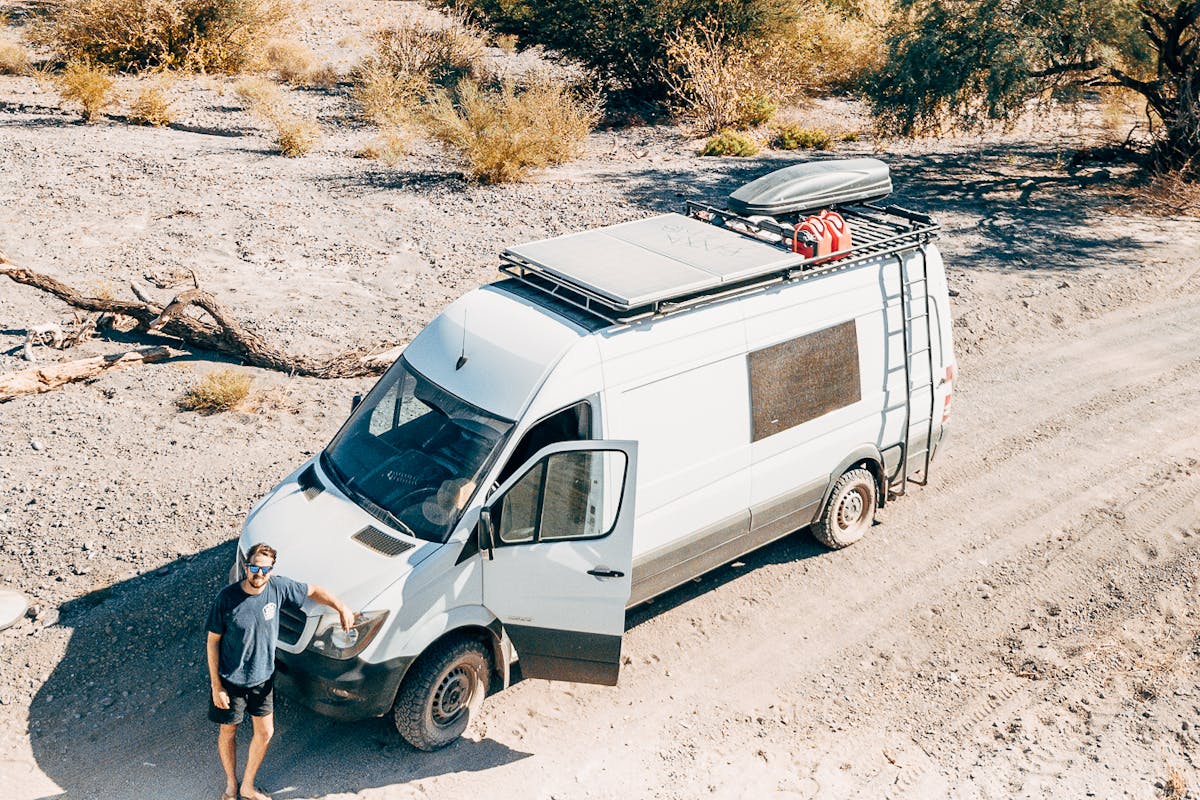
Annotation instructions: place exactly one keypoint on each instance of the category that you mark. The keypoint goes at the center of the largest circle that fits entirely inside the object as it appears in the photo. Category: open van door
(558, 536)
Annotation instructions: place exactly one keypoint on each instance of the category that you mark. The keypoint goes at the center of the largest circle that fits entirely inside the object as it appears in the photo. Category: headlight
(330, 640)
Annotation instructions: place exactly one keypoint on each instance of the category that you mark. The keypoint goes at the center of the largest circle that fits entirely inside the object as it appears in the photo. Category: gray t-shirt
(248, 625)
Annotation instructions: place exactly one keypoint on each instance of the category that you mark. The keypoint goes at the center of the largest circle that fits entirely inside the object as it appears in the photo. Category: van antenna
(462, 356)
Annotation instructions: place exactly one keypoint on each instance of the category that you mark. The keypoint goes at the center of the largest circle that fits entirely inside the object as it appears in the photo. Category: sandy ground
(1025, 626)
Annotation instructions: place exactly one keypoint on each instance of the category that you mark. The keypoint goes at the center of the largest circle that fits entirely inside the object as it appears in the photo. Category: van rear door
(559, 540)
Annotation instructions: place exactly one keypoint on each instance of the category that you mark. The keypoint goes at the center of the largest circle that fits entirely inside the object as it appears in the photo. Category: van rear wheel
(442, 694)
(850, 512)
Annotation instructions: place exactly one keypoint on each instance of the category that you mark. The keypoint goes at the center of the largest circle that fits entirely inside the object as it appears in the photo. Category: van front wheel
(442, 694)
(850, 512)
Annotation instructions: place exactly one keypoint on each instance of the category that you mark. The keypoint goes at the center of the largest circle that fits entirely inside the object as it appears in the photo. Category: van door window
(559, 498)
(572, 424)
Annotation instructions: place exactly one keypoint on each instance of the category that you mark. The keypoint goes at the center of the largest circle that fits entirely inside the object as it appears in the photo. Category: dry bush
(388, 147)
(506, 42)
(1175, 786)
(730, 143)
(152, 106)
(505, 133)
(259, 95)
(797, 137)
(410, 58)
(385, 98)
(14, 59)
(296, 134)
(837, 44)
(131, 35)
(717, 81)
(296, 64)
(89, 86)
(221, 390)
(1169, 193)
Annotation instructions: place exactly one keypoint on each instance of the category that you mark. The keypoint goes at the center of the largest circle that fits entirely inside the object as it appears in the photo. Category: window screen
(803, 378)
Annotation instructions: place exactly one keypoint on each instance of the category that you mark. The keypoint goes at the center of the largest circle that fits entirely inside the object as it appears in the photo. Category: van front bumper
(350, 689)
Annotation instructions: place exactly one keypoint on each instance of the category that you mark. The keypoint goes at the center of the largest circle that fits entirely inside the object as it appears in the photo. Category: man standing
(243, 627)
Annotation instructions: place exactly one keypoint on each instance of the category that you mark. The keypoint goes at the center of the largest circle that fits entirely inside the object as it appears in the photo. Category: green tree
(975, 60)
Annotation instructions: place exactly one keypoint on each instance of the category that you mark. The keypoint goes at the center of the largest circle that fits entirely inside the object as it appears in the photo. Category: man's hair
(261, 549)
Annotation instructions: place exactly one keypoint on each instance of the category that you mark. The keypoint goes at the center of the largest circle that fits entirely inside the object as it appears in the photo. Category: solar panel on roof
(650, 260)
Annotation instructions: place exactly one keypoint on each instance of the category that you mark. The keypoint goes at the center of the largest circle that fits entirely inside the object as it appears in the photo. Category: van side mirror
(355, 402)
(487, 532)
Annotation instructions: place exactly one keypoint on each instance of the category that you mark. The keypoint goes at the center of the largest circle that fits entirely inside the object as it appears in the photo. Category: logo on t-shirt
(269, 611)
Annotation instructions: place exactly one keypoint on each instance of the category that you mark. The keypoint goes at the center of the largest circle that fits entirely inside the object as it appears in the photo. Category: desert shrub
(730, 143)
(221, 390)
(295, 134)
(849, 136)
(89, 86)
(298, 65)
(410, 58)
(14, 59)
(388, 147)
(259, 95)
(717, 80)
(755, 109)
(796, 137)
(504, 133)
(506, 42)
(385, 98)
(202, 35)
(152, 106)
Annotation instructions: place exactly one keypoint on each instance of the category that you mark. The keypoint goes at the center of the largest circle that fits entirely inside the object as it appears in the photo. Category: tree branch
(227, 336)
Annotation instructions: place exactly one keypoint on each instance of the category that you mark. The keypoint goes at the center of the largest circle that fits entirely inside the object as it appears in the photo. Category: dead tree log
(224, 335)
(42, 379)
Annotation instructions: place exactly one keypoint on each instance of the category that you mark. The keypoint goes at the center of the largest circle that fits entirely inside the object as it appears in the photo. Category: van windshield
(411, 453)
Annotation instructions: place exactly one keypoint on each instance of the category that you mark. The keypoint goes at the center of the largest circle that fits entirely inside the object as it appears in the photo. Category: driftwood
(51, 334)
(224, 335)
(42, 379)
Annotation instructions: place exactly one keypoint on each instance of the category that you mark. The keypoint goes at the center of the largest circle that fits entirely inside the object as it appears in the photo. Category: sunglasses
(257, 570)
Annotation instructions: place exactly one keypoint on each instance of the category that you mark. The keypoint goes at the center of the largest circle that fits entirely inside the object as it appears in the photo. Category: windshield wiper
(379, 511)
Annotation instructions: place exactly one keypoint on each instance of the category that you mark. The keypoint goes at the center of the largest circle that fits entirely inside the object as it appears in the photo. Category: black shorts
(257, 701)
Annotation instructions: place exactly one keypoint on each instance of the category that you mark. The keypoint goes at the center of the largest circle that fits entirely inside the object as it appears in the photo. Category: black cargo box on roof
(813, 186)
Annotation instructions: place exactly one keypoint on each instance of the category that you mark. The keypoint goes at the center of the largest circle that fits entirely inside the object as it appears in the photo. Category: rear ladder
(923, 318)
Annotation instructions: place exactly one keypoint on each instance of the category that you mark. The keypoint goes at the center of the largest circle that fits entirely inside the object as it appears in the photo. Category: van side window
(572, 424)
(561, 497)
(803, 378)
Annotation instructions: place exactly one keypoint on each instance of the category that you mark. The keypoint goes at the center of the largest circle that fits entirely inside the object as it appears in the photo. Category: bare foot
(253, 794)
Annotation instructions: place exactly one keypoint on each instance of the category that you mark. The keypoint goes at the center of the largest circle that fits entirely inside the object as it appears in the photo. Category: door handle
(606, 573)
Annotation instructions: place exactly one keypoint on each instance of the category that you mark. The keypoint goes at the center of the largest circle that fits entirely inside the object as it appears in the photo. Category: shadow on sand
(123, 715)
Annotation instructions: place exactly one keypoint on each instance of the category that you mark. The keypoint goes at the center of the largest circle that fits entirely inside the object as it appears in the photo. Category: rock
(36, 445)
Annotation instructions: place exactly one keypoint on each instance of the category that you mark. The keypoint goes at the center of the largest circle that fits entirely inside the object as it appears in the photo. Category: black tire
(850, 512)
(442, 693)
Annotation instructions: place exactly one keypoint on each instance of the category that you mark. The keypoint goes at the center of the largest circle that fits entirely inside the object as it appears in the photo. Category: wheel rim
(453, 695)
(853, 510)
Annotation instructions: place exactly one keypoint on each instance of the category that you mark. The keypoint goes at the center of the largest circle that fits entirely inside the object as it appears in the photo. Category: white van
(478, 506)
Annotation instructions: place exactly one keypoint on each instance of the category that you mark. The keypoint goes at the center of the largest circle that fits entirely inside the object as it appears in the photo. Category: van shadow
(792, 548)
(123, 714)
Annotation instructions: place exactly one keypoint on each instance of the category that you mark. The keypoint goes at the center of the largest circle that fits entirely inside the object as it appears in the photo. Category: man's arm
(325, 597)
(220, 696)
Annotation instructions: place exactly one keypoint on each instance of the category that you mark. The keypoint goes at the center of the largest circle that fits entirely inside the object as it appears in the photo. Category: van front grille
(381, 542)
(291, 625)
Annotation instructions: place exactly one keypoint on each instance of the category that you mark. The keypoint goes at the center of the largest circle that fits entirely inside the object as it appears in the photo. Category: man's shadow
(124, 713)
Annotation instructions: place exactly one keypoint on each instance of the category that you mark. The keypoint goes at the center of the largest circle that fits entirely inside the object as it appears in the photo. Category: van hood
(315, 539)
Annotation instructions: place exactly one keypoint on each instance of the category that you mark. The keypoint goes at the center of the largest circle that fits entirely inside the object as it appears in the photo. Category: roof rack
(661, 265)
